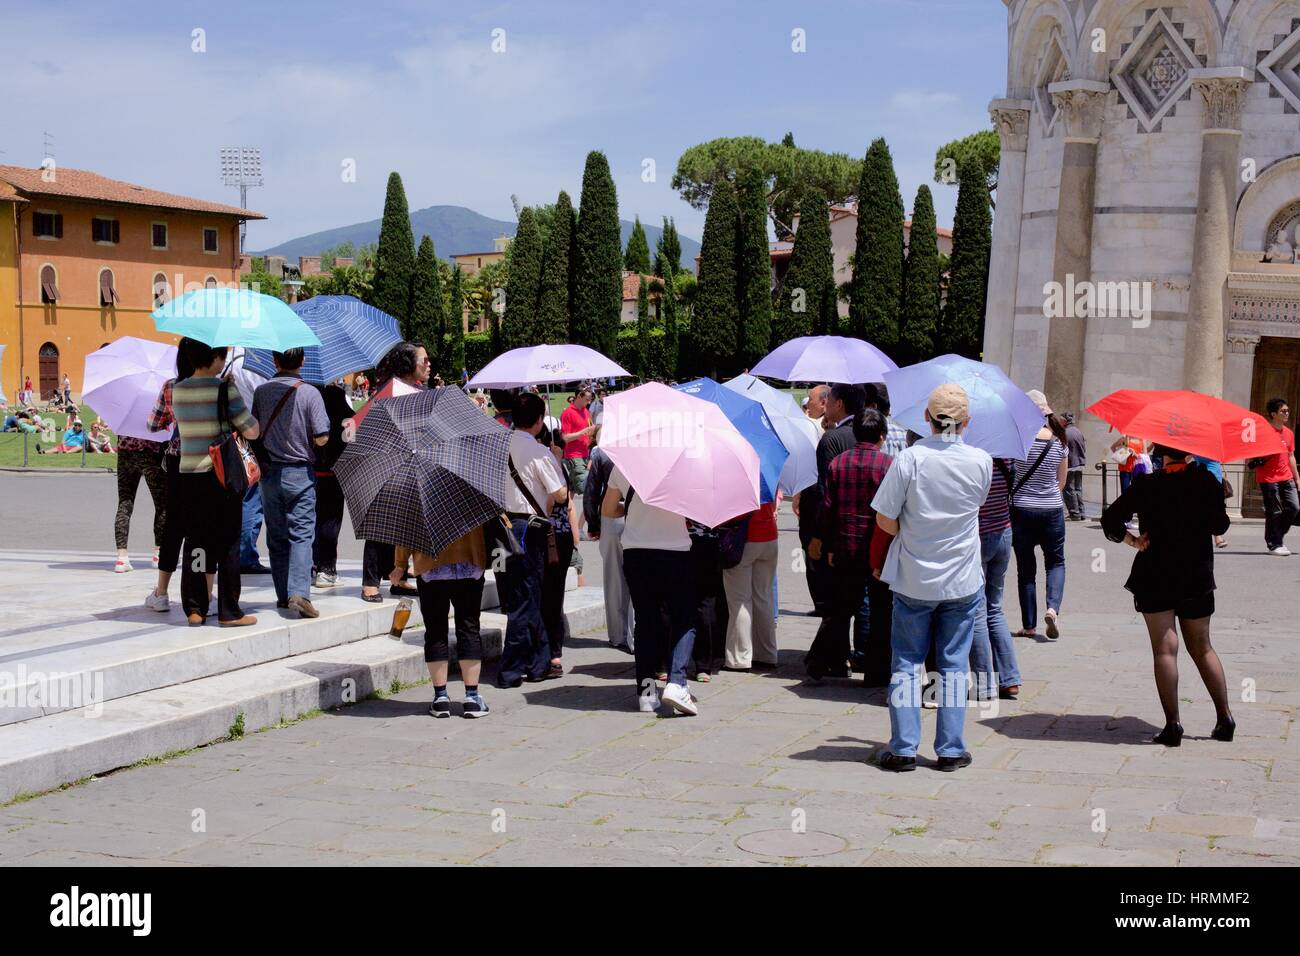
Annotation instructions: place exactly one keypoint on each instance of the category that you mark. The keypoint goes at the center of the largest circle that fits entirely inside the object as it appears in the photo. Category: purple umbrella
(546, 365)
(122, 380)
(825, 358)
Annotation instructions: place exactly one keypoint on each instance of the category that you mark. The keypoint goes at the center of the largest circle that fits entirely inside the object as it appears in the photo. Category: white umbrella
(797, 431)
(546, 365)
(826, 358)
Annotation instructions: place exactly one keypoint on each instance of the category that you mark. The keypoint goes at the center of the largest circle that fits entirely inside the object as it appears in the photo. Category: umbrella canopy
(393, 388)
(681, 453)
(752, 422)
(1191, 422)
(826, 358)
(234, 317)
(798, 433)
(424, 469)
(123, 379)
(1004, 420)
(353, 336)
(545, 365)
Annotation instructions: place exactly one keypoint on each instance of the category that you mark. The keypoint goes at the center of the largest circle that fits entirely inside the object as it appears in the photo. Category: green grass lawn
(11, 446)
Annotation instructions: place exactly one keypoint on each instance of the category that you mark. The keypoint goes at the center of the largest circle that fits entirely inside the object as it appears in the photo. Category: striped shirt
(194, 403)
(895, 442)
(1042, 490)
(995, 513)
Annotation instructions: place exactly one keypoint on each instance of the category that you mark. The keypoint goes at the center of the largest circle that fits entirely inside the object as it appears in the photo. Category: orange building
(85, 260)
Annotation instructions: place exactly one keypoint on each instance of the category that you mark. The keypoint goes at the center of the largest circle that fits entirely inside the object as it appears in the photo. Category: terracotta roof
(82, 184)
(780, 250)
(632, 284)
(938, 230)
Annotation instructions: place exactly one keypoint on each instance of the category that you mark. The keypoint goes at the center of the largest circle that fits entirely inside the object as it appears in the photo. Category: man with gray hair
(929, 503)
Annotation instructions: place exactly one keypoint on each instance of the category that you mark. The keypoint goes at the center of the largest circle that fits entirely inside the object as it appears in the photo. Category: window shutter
(107, 294)
(48, 286)
(58, 225)
(117, 231)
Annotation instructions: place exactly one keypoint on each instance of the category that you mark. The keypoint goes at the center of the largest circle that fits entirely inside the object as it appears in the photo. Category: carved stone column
(1222, 92)
(1011, 119)
(1082, 104)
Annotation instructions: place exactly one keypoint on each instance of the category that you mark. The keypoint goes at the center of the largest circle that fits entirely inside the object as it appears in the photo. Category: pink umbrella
(681, 453)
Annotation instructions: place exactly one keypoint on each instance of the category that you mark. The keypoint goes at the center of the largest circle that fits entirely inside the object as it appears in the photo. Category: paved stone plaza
(568, 772)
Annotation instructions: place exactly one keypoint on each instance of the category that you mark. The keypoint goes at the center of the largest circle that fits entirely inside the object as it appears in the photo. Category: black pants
(377, 560)
(710, 606)
(1280, 508)
(329, 520)
(852, 585)
(663, 598)
(213, 521)
(131, 467)
(526, 652)
(1073, 492)
(553, 580)
(169, 552)
(436, 598)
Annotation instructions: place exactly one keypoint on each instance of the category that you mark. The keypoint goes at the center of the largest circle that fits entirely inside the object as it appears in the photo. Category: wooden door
(1277, 375)
(49, 370)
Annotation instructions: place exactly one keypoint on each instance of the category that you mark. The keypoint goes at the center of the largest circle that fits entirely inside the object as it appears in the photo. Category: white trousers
(751, 605)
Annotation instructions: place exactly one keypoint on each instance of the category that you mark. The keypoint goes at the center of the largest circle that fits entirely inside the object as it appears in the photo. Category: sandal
(1053, 632)
(703, 678)
(557, 670)
(1023, 632)
(375, 598)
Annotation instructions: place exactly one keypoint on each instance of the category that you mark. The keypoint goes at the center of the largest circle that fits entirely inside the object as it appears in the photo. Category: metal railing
(10, 457)
(1235, 473)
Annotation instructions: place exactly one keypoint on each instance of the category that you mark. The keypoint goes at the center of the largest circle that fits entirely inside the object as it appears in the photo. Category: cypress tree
(598, 260)
(920, 308)
(643, 329)
(878, 269)
(395, 258)
(714, 323)
(668, 303)
(519, 324)
(426, 302)
(493, 318)
(809, 285)
(637, 257)
(668, 251)
(963, 320)
(456, 346)
(553, 300)
(754, 269)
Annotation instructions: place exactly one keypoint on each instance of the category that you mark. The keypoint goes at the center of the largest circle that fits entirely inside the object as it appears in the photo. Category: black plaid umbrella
(424, 469)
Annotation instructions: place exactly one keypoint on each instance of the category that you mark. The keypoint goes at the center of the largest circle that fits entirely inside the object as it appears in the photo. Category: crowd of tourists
(905, 540)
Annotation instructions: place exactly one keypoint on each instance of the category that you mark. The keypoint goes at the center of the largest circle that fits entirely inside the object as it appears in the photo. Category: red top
(1278, 467)
(574, 419)
(1137, 446)
(762, 523)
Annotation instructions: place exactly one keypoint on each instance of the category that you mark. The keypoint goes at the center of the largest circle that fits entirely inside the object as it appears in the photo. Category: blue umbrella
(755, 427)
(353, 336)
(1004, 420)
(223, 317)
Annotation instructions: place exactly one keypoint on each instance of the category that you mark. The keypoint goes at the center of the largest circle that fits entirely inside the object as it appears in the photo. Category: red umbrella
(1191, 422)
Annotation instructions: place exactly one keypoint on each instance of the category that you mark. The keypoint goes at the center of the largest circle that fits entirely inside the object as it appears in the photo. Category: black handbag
(539, 520)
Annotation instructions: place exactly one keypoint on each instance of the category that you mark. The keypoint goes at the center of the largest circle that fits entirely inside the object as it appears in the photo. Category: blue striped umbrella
(353, 336)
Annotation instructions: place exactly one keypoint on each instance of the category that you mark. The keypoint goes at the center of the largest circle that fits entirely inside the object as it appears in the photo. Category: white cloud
(923, 101)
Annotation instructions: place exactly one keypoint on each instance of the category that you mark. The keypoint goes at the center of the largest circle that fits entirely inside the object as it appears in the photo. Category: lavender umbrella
(122, 380)
(1004, 420)
(546, 365)
(825, 358)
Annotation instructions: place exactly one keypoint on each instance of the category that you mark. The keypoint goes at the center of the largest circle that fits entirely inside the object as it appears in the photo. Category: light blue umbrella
(752, 421)
(234, 317)
(797, 431)
(353, 336)
(1004, 420)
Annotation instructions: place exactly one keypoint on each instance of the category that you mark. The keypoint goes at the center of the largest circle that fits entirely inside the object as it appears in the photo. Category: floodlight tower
(241, 166)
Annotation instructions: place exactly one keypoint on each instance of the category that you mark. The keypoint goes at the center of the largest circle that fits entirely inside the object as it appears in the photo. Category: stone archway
(48, 376)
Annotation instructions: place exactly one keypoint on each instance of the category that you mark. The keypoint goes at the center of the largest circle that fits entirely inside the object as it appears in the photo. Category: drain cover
(788, 843)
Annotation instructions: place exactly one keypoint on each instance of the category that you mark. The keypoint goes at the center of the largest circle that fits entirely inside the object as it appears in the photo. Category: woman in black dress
(1180, 509)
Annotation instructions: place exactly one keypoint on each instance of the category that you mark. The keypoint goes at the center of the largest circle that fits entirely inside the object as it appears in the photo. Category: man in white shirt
(526, 654)
(930, 501)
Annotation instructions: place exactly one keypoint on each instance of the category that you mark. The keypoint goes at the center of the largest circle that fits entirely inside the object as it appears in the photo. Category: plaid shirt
(161, 417)
(846, 521)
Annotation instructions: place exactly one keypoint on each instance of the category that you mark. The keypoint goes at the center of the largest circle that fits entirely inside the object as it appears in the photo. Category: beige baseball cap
(949, 405)
(1039, 399)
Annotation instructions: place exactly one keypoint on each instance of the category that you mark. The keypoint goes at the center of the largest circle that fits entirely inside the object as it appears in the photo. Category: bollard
(24, 449)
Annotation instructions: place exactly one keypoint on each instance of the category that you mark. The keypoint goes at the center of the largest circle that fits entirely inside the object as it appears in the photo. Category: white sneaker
(680, 699)
(157, 602)
(121, 567)
(1282, 551)
(648, 703)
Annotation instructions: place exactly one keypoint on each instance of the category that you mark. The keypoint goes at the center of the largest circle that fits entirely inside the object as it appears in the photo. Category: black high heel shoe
(1224, 730)
(1171, 736)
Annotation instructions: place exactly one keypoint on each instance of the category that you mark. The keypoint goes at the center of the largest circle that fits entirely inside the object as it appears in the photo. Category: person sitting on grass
(100, 440)
(74, 440)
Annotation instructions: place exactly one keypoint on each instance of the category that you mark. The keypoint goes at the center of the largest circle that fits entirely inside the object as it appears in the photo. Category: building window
(49, 285)
(105, 230)
(47, 225)
(107, 290)
(162, 292)
(159, 233)
(209, 240)
(210, 282)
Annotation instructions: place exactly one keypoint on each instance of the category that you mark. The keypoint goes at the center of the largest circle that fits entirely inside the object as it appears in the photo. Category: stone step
(105, 651)
(40, 754)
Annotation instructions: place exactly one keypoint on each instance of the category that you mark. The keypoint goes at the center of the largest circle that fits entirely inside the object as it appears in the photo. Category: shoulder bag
(1020, 482)
(540, 520)
(259, 443)
(233, 461)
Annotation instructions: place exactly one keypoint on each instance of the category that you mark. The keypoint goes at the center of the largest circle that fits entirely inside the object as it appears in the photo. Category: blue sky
(416, 87)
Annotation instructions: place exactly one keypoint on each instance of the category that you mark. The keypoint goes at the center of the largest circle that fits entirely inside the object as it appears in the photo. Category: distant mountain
(454, 230)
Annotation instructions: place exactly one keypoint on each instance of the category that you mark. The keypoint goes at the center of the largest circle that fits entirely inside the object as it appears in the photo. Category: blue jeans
(1038, 528)
(662, 585)
(526, 652)
(250, 529)
(289, 501)
(949, 627)
(993, 653)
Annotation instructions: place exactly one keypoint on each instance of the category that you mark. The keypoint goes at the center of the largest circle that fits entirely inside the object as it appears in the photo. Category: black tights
(1164, 645)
